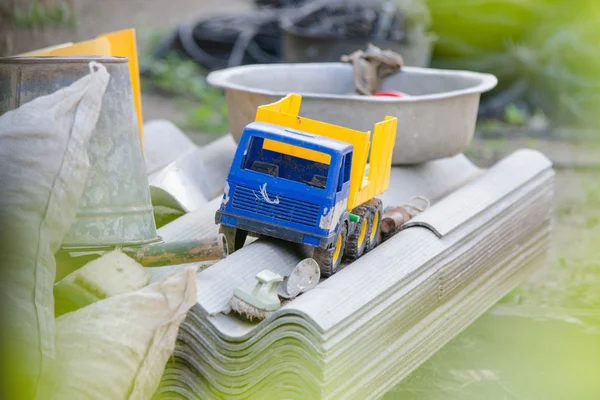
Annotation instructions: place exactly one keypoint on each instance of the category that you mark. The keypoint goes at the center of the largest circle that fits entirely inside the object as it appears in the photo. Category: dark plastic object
(323, 31)
(280, 3)
(298, 48)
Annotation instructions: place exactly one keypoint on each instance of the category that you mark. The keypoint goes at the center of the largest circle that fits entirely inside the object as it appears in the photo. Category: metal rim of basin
(222, 79)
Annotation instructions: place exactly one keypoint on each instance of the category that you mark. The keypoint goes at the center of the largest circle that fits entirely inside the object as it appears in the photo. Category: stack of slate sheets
(181, 174)
(364, 329)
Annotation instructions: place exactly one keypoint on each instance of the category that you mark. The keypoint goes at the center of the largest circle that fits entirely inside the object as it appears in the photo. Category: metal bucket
(115, 209)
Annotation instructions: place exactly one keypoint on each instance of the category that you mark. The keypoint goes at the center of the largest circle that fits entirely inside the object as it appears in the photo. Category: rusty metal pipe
(393, 219)
(179, 252)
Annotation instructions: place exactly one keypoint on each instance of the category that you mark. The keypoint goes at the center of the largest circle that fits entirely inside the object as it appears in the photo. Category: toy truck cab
(288, 184)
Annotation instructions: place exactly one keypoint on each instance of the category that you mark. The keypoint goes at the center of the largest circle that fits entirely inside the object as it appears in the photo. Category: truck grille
(288, 209)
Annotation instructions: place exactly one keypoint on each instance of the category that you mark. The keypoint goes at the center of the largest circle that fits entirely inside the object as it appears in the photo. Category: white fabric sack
(117, 348)
(43, 172)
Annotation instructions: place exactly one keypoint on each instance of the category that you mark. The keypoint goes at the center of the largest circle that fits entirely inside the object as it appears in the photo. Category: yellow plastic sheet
(123, 44)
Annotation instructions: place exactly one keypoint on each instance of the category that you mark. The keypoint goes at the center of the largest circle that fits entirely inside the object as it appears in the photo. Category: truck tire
(358, 237)
(236, 238)
(329, 260)
(376, 214)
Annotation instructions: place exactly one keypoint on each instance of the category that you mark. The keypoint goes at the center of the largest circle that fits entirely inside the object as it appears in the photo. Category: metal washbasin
(436, 121)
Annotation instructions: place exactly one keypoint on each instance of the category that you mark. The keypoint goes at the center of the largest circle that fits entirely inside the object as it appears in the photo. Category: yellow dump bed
(363, 187)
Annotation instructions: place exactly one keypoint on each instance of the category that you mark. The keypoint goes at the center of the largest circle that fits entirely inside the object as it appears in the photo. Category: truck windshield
(287, 161)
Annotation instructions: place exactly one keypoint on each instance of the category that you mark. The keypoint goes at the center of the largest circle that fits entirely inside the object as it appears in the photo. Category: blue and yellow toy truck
(308, 182)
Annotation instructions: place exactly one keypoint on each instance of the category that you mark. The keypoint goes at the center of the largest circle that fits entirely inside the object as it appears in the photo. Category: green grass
(490, 149)
(514, 116)
(571, 280)
(542, 341)
(184, 81)
(510, 357)
(38, 15)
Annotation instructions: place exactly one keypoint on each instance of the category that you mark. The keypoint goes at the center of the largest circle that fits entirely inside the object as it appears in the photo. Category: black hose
(220, 41)
(280, 3)
(194, 51)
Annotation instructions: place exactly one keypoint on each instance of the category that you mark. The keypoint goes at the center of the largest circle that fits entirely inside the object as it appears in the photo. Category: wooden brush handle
(180, 252)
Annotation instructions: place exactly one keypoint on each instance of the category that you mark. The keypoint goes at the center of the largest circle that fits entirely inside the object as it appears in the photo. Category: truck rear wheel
(329, 260)
(376, 212)
(358, 238)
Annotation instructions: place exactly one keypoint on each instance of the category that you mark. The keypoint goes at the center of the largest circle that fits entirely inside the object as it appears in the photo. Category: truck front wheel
(235, 237)
(329, 260)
